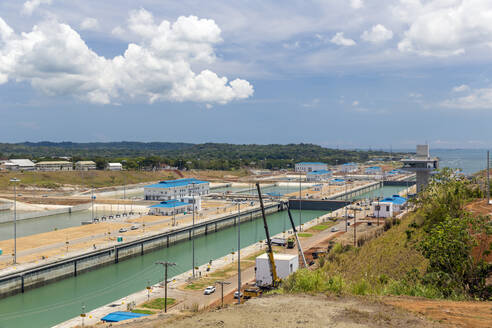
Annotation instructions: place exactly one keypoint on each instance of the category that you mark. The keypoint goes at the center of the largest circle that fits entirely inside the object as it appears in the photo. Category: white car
(236, 295)
(123, 230)
(209, 290)
(135, 227)
(334, 229)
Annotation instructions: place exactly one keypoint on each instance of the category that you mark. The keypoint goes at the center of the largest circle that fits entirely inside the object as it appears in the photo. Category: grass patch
(158, 303)
(143, 311)
(322, 226)
(305, 234)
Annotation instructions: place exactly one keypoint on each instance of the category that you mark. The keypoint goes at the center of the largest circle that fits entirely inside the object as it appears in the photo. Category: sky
(338, 73)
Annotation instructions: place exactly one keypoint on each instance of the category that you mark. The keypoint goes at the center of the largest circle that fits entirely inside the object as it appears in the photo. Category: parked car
(134, 227)
(123, 230)
(209, 290)
(236, 295)
(334, 229)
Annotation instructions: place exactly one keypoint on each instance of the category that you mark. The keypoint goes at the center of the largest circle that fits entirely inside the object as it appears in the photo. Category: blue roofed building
(306, 167)
(170, 207)
(373, 170)
(349, 167)
(320, 175)
(176, 189)
(389, 206)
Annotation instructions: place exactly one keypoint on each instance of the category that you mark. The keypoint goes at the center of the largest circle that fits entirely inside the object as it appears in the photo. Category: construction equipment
(273, 270)
(299, 248)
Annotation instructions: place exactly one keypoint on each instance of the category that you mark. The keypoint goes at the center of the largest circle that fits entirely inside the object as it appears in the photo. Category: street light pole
(300, 202)
(193, 230)
(239, 252)
(15, 180)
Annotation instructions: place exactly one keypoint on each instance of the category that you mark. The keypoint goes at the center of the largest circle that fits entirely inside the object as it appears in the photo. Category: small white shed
(284, 263)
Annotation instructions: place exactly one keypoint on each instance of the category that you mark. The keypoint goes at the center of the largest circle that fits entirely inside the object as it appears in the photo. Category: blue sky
(354, 73)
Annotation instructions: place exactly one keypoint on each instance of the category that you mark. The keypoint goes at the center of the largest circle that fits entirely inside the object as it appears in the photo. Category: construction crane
(273, 270)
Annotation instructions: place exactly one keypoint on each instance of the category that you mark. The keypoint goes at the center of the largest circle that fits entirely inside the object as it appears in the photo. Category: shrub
(360, 287)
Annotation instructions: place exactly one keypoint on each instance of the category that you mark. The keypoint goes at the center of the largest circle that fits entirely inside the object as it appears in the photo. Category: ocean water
(468, 160)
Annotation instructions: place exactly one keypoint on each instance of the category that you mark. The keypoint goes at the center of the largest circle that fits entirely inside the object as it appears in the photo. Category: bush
(305, 280)
(360, 287)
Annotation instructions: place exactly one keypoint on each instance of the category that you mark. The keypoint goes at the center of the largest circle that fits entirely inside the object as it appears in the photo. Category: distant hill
(207, 155)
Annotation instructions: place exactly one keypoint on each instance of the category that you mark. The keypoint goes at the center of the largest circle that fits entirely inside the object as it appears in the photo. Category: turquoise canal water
(51, 304)
(386, 191)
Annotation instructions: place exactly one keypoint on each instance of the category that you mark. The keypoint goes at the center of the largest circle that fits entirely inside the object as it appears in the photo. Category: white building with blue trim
(349, 167)
(373, 170)
(306, 167)
(170, 207)
(176, 189)
(389, 206)
(321, 175)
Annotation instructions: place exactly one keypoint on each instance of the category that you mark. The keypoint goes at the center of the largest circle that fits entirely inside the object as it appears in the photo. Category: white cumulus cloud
(340, 40)
(356, 4)
(90, 24)
(473, 99)
(30, 6)
(445, 27)
(461, 88)
(378, 34)
(156, 66)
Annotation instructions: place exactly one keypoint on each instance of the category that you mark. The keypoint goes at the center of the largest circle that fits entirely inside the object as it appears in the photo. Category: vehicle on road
(279, 241)
(209, 290)
(135, 227)
(123, 230)
(334, 229)
(236, 295)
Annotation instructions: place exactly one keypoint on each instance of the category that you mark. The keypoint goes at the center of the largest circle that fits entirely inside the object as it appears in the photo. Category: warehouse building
(176, 189)
(85, 165)
(306, 167)
(114, 167)
(321, 175)
(54, 166)
(19, 165)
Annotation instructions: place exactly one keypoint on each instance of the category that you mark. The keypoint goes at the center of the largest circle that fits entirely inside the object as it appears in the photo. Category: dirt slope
(296, 311)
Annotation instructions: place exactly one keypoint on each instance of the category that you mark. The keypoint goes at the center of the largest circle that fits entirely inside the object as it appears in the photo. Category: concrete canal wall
(31, 278)
(34, 215)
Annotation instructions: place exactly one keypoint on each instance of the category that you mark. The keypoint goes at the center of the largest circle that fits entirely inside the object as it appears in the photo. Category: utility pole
(15, 180)
(222, 283)
(166, 265)
(300, 202)
(239, 252)
(193, 230)
(92, 203)
(355, 227)
(346, 199)
(488, 177)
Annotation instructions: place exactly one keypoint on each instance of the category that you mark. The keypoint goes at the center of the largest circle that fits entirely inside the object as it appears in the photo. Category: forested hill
(207, 155)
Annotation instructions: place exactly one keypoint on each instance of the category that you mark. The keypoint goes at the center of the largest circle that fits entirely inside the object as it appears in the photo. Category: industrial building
(389, 206)
(19, 165)
(114, 167)
(321, 175)
(176, 189)
(373, 170)
(85, 165)
(349, 168)
(422, 164)
(306, 167)
(54, 166)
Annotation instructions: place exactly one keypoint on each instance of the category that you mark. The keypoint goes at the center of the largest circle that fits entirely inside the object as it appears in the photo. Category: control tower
(422, 164)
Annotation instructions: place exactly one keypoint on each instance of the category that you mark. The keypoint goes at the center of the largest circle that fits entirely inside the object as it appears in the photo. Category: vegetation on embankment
(429, 253)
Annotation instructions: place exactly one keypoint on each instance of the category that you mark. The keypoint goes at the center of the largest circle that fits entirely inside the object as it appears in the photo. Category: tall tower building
(422, 164)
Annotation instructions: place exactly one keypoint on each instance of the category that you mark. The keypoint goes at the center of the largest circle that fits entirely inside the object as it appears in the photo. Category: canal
(51, 304)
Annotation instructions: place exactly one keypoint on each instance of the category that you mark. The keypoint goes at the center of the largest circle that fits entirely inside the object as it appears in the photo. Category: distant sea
(468, 160)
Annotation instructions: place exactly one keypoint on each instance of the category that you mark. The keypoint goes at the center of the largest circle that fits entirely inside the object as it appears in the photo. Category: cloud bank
(157, 66)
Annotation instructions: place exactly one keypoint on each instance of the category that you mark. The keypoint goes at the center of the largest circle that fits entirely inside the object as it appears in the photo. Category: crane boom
(273, 269)
(299, 248)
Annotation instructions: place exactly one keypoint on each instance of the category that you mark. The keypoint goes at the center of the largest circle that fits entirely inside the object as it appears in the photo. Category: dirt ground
(294, 311)
(450, 313)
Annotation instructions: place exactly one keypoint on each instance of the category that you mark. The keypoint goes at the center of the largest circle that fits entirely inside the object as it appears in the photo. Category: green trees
(451, 236)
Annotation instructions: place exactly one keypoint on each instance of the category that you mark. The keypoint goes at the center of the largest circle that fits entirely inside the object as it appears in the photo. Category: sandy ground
(451, 313)
(295, 311)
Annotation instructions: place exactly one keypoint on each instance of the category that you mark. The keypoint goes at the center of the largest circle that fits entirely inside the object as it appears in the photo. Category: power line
(165, 265)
